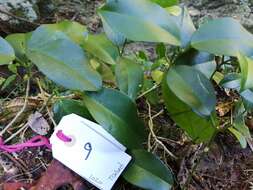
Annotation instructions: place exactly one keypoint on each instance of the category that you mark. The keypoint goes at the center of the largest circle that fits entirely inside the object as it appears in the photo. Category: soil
(226, 166)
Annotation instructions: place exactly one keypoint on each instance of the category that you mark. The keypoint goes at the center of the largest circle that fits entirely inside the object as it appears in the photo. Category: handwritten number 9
(88, 147)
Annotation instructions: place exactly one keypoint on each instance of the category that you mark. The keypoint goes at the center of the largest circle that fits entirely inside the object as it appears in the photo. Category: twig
(151, 126)
(18, 18)
(16, 133)
(51, 117)
(20, 112)
(149, 90)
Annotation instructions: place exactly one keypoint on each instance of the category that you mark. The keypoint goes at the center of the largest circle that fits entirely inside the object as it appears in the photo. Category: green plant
(188, 63)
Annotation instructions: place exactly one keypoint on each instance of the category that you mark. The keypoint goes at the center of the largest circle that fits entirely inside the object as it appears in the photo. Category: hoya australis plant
(108, 81)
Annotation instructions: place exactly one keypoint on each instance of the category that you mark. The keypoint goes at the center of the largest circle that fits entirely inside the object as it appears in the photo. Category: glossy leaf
(200, 129)
(157, 76)
(166, 3)
(193, 88)
(61, 60)
(202, 61)
(107, 73)
(19, 43)
(246, 65)
(6, 52)
(75, 31)
(151, 23)
(240, 130)
(186, 27)
(231, 81)
(153, 95)
(117, 113)
(174, 10)
(239, 137)
(65, 107)
(129, 77)
(223, 36)
(101, 47)
(8, 81)
(148, 172)
(161, 50)
(218, 77)
(247, 96)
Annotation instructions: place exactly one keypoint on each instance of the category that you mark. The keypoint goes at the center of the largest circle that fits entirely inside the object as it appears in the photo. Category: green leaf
(240, 130)
(160, 50)
(186, 26)
(106, 73)
(174, 10)
(231, 81)
(19, 43)
(153, 95)
(150, 23)
(218, 77)
(65, 107)
(61, 60)
(7, 54)
(223, 36)
(193, 88)
(247, 96)
(239, 137)
(200, 129)
(148, 172)
(202, 61)
(166, 3)
(1, 81)
(246, 65)
(13, 68)
(157, 76)
(129, 77)
(101, 47)
(117, 113)
(75, 31)
(8, 81)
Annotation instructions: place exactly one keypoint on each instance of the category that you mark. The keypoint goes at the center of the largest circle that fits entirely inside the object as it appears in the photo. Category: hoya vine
(189, 67)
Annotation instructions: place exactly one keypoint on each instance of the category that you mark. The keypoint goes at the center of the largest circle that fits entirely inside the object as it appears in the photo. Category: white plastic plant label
(90, 151)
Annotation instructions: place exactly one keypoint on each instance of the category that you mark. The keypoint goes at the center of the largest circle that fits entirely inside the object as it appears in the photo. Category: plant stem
(21, 111)
(148, 91)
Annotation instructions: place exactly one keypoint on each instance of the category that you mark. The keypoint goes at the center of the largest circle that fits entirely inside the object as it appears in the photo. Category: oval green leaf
(61, 60)
(166, 3)
(151, 23)
(65, 107)
(202, 61)
(246, 65)
(129, 77)
(231, 81)
(186, 27)
(148, 172)
(193, 88)
(19, 44)
(102, 48)
(223, 36)
(239, 136)
(200, 129)
(75, 31)
(117, 113)
(247, 96)
(7, 54)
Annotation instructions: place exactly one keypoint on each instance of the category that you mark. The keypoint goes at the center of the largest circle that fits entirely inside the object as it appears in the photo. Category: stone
(202, 10)
(29, 10)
